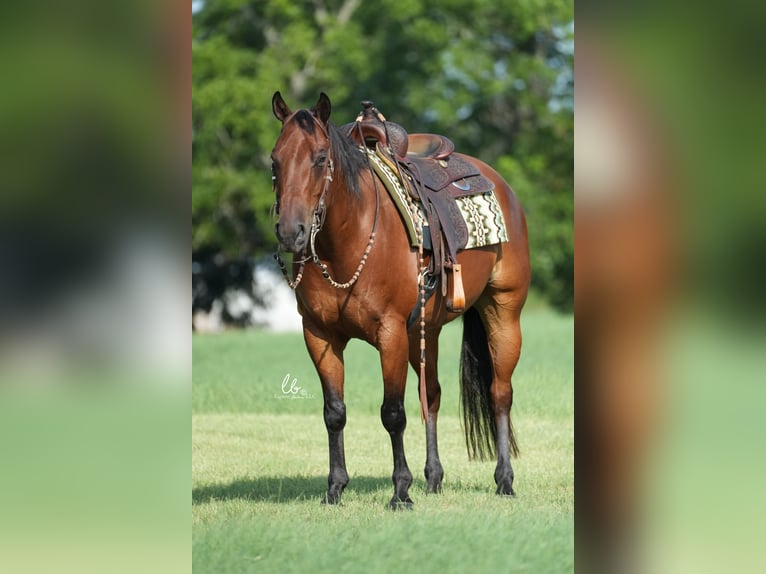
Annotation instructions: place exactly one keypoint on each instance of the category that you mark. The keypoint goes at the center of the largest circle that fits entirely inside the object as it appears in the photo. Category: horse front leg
(327, 354)
(393, 355)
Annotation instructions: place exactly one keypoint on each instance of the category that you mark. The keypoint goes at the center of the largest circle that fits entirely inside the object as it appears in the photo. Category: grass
(260, 465)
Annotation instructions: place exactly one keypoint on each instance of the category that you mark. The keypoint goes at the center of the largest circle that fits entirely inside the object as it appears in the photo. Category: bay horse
(332, 215)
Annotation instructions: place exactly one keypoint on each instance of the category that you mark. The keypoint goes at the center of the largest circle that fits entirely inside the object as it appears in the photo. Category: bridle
(317, 221)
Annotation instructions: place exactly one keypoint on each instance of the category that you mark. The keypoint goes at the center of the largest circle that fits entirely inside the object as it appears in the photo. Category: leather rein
(317, 221)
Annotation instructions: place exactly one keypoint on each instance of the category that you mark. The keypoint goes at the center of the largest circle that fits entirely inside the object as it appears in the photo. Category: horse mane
(348, 159)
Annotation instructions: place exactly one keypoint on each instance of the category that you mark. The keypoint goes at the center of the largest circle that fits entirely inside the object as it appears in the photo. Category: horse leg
(327, 355)
(392, 345)
(434, 471)
(504, 339)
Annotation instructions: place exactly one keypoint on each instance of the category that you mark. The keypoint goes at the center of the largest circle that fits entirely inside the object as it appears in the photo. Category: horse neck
(348, 221)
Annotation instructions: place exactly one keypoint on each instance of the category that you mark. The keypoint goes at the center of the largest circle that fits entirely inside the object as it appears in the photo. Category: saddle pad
(484, 218)
(481, 213)
(399, 195)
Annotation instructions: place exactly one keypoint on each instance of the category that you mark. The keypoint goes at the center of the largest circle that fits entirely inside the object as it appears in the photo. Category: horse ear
(323, 108)
(278, 105)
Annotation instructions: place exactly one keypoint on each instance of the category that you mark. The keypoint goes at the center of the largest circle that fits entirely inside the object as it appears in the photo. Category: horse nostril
(301, 232)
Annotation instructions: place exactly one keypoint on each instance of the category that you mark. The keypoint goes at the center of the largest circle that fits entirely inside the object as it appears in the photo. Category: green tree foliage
(496, 77)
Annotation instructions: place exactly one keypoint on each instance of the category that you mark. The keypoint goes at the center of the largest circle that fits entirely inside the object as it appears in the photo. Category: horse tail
(476, 374)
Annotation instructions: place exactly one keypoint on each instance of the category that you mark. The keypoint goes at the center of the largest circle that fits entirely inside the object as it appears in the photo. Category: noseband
(317, 221)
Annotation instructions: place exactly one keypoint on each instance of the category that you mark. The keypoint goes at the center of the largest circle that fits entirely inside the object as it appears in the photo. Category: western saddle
(434, 176)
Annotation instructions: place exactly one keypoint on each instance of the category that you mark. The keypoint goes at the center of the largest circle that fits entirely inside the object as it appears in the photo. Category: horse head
(301, 169)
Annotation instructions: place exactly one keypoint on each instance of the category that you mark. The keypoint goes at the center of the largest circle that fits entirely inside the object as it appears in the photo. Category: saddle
(433, 175)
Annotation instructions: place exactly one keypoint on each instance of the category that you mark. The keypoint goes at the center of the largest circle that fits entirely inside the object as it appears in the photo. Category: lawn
(259, 464)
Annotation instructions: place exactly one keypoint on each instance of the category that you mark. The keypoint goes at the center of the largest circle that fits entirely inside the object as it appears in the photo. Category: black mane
(348, 159)
(344, 151)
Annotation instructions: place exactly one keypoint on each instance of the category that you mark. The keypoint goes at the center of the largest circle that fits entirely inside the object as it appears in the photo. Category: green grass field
(259, 464)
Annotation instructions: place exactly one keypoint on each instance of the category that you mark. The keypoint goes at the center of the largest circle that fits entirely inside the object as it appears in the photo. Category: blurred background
(670, 236)
(496, 77)
(95, 353)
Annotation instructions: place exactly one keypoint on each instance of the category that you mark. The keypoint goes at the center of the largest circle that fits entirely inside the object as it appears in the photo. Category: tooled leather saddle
(435, 176)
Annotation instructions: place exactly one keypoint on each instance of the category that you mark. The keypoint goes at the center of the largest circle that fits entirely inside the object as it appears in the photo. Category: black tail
(476, 375)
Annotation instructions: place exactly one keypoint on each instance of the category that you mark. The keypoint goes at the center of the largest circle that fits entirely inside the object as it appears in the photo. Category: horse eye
(320, 161)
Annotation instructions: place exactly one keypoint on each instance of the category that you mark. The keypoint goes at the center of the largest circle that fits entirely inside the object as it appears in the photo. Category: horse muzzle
(292, 238)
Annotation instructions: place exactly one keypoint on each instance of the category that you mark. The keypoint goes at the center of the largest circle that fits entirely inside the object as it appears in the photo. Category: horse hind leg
(504, 341)
(491, 349)
(434, 472)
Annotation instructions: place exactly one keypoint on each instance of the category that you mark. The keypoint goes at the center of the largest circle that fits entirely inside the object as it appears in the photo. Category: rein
(317, 221)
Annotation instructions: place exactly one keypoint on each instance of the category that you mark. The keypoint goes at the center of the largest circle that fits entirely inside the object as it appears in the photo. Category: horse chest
(339, 310)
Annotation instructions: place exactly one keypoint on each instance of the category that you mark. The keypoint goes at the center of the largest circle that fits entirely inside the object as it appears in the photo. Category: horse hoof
(399, 504)
(505, 491)
(332, 500)
(434, 488)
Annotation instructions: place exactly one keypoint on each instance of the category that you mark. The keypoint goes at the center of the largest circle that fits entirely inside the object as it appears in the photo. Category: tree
(496, 77)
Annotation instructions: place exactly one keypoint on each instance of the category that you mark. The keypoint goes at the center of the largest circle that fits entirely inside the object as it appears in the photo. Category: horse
(362, 281)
